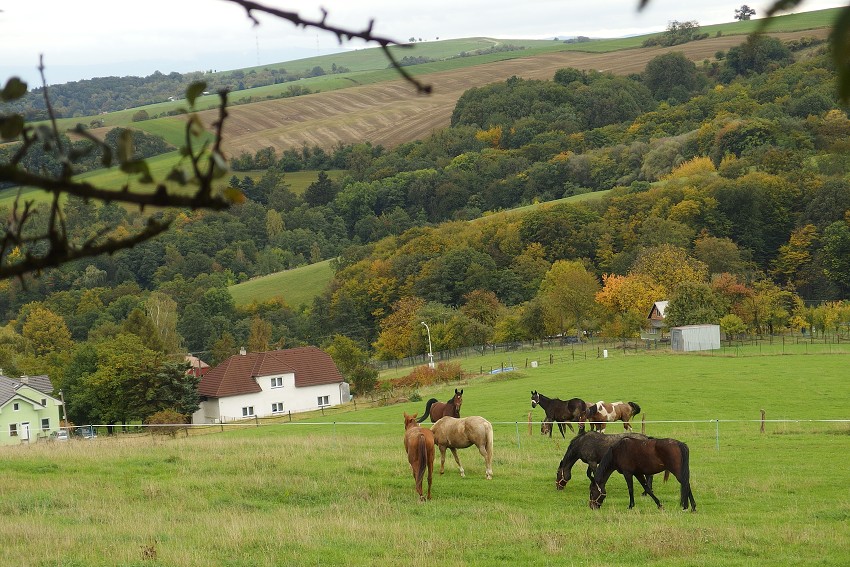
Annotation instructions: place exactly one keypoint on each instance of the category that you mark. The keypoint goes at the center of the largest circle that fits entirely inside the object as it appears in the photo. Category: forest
(553, 207)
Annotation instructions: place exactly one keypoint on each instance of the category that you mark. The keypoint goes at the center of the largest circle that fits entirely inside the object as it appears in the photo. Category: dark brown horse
(641, 457)
(419, 444)
(436, 409)
(589, 447)
(602, 412)
(560, 411)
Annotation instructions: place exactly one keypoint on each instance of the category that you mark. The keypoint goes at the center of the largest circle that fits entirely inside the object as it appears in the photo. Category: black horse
(640, 457)
(589, 447)
(436, 409)
(560, 411)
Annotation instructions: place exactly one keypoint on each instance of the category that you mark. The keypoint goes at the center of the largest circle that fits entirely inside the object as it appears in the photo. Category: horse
(419, 444)
(589, 447)
(453, 433)
(602, 412)
(436, 409)
(640, 457)
(560, 411)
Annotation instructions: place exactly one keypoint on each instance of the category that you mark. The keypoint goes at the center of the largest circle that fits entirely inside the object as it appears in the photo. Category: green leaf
(194, 91)
(14, 89)
(125, 146)
(11, 126)
(139, 167)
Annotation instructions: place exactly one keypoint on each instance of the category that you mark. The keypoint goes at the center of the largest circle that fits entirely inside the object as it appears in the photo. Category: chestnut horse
(602, 412)
(641, 457)
(419, 444)
(453, 433)
(435, 409)
(560, 411)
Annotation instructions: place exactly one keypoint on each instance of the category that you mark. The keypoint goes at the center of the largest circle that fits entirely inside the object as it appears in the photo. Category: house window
(16, 406)
(323, 401)
(44, 402)
(248, 411)
(277, 408)
(277, 382)
(13, 430)
(45, 423)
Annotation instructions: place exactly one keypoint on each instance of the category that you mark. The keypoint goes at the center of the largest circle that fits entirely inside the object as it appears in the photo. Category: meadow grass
(297, 286)
(338, 490)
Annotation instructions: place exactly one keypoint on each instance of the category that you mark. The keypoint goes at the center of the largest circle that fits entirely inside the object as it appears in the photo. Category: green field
(337, 490)
(297, 286)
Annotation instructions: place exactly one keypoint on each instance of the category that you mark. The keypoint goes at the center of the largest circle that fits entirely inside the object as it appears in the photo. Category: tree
(671, 75)
(568, 293)
(744, 13)
(260, 335)
(45, 332)
(694, 303)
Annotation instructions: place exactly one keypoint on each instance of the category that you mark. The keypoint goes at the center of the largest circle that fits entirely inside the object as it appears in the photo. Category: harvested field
(391, 113)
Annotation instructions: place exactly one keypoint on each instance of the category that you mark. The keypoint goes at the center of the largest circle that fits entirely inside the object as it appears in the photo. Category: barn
(695, 337)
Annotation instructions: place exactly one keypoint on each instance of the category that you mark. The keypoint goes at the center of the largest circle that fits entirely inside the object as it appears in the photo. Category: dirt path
(392, 113)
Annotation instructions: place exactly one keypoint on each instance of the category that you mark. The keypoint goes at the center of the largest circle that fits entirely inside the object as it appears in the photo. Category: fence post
(517, 434)
(762, 421)
(257, 420)
(529, 424)
(717, 433)
(643, 425)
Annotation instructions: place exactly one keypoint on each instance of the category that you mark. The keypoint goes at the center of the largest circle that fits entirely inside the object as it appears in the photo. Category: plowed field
(391, 113)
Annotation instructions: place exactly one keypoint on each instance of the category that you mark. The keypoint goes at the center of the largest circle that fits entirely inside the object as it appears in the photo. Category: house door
(25, 431)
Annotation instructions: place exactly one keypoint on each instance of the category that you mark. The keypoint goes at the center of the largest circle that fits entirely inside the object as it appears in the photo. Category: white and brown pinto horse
(459, 433)
(602, 412)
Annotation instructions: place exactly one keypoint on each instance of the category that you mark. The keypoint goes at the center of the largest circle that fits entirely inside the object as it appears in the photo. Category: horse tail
(635, 408)
(423, 461)
(425, 415)
(684, 475)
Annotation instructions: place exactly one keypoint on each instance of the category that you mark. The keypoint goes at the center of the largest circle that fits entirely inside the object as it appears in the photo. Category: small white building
(264, 384)
(695, 337)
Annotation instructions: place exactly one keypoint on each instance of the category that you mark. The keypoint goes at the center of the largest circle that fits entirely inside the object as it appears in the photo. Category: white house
(263, 384)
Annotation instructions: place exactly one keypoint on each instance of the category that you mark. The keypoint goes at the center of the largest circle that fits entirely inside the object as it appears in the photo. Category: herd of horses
(633, 455)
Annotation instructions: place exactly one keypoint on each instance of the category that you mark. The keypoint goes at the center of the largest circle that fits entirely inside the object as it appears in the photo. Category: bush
(444, 373)
(165, 422)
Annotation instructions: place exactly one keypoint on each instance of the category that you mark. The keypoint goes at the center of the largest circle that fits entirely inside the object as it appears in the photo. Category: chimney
(25, 379)
(242, 351)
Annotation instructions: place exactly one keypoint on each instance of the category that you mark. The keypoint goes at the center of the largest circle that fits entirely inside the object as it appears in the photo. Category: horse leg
(562, 429)
(442, 458)
(570, 425)
(488, 461)
(590, 470)
(430, 452)
(647, 486)
(630, 484)
(454, 453)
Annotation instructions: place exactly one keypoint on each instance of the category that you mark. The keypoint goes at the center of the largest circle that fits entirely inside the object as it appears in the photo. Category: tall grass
(338, 491)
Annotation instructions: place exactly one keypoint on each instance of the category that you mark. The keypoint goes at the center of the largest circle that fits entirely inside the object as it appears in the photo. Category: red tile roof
(237, 375)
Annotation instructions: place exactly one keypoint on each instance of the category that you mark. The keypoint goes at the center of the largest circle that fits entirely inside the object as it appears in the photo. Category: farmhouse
(655, 321)
(28, 411)
(261, 384)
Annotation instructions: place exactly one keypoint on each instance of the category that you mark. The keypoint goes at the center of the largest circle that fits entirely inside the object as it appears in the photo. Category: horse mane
(635, 407)
(605, 468)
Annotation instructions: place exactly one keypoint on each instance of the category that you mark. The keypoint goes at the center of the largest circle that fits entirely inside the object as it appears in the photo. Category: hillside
(390, 113)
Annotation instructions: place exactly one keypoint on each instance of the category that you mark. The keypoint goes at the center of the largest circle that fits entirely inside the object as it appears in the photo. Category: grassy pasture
(338, 491)
(297, 286)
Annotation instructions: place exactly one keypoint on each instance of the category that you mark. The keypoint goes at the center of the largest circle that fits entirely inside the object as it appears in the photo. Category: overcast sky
(82, 39)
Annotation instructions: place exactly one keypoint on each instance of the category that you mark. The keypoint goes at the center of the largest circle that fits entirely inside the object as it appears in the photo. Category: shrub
(164, 422)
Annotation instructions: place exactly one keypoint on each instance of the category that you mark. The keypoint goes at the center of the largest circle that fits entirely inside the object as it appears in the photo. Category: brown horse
(419, 444)
(641, 457)
(453, 433)
(602, 412)
(436, 409)
(559, 411)
(589, 447)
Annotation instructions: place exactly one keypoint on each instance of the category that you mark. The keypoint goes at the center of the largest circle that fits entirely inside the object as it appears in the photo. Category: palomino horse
(601, 412)
(641, 457)
(560, 411)
(419, 444)
(435, 409)
(589, 447)
(453, 433)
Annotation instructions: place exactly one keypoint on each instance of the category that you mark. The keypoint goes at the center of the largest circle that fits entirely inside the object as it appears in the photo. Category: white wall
(293, 399)
(695, 337)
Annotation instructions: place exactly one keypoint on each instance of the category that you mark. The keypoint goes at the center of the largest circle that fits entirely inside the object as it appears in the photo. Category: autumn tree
(694, 303)
(669, 266)
(260, 335)
(401, 331)
(568, 292)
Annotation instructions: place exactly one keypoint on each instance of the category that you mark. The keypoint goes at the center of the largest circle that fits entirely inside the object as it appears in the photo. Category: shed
(695, 337)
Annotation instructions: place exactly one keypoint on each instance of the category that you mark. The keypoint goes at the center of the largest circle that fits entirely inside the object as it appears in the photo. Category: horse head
(458, 401)
(597, 495)
(590, 411)
(562, 477)
(535, 399)
(409, 420)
